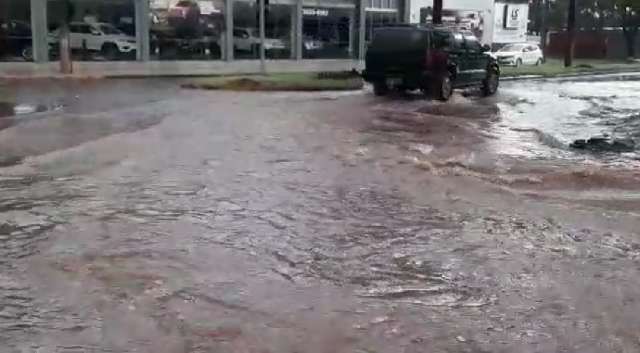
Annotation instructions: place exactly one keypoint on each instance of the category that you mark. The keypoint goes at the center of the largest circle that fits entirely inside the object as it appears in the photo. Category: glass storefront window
(99, 30)
(328, 33)
(186, 29)
(279, 24)
(15, 31)
(246, 31)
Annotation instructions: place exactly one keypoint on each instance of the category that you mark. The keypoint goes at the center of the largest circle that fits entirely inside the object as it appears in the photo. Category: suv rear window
(399, 39)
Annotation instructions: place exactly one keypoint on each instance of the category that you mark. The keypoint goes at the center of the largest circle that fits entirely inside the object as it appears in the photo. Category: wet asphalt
(139, 217)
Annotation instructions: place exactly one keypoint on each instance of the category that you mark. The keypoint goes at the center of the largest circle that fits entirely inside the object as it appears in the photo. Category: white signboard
(207, 7)
(315, 12)
(513, 16)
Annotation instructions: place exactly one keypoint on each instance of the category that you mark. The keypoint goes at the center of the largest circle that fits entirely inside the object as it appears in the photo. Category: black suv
(433, 59)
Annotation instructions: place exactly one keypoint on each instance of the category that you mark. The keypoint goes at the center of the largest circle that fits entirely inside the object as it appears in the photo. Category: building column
(352, 30)
(362, 16)
(39, 31)
(142, 29)
(228, 30)
(293, 40)
(405, 10)
(299, 42)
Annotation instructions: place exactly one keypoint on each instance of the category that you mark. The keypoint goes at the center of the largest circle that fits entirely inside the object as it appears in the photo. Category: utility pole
(437, 12)
(571, 34)
(543, 24)
(263, 64)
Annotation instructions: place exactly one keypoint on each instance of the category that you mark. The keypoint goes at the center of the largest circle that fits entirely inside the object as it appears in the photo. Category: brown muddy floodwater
(138, 217)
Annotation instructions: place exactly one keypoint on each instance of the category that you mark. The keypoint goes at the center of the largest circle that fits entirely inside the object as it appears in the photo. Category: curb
(52, 77)
(574, 75)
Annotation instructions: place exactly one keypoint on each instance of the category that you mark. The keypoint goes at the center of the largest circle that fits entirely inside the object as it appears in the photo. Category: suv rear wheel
(491, 82)
(443, 88)
(380, 88)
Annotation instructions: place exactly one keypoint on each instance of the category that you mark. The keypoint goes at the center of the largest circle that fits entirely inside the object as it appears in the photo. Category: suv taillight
(435, 59)
(428, 59)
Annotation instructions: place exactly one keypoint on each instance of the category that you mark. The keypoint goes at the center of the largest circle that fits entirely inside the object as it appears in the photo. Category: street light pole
(263, 64)
(437, 12)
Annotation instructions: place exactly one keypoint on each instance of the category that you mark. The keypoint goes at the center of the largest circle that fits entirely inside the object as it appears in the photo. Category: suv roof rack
(418, 26)
(399, 24)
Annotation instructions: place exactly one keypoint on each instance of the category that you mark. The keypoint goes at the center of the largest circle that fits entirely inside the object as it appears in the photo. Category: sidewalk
(582, 67)
(89, 70)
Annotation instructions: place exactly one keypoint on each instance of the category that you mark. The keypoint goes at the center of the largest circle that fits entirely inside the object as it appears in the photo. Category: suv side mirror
(95, 33)
(486, 48)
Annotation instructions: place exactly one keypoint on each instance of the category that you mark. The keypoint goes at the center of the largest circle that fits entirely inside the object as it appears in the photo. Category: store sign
(315, 12)
(513, 17)
(207, 8)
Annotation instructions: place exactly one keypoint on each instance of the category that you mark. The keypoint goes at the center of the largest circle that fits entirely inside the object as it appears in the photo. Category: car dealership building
(190, 37)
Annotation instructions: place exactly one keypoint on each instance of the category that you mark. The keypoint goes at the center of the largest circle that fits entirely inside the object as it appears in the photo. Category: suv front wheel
(380, 88)
(491, 82)
(443, 88)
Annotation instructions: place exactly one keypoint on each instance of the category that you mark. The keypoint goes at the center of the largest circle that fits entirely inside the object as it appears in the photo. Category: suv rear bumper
(415, 79)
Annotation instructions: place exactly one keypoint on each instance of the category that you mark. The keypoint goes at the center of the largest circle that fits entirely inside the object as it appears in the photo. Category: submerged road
(138, 217)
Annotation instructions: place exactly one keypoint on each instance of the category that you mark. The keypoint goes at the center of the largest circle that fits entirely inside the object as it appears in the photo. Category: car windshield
(512, 47)
(107, 29)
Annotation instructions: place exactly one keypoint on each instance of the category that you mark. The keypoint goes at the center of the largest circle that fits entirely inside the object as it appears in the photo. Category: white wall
(493, 13)
(479, 5)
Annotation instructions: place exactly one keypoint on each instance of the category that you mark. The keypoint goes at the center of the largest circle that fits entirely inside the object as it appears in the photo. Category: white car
(246, 39)
(102, 37)
(519, 54)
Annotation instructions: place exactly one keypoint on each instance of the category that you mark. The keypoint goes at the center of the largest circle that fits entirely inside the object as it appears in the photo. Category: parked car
(519, 54)
(184, 16)
(15, 39)
(433, 59)
(247, 39)
(100, 37)
(310, 44)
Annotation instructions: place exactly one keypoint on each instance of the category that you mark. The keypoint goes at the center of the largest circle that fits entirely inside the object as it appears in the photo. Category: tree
(571, 34)
(629, 12)
(592, 14)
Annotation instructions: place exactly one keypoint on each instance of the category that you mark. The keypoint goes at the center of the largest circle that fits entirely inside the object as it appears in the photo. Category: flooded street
(138, 217)
(544, 118)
